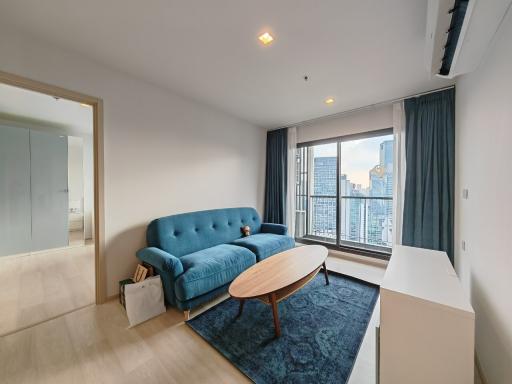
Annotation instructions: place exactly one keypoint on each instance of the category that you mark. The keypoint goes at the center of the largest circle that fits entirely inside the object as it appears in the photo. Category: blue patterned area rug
(322, 327)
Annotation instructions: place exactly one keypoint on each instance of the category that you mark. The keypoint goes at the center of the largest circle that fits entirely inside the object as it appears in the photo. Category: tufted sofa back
(190, 232)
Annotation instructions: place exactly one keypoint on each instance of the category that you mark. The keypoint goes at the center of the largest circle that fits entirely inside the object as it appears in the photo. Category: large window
(344, 192)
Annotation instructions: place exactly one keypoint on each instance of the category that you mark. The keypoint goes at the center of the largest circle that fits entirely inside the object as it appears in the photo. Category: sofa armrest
(161, 260)
(276, 229)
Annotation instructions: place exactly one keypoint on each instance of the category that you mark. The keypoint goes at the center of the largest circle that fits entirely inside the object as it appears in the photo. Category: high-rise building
(357, 217)
(386, 155)
(324, 208)
(380, 211)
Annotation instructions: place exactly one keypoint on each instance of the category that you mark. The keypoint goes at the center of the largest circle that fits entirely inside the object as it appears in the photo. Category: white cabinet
(427, 324)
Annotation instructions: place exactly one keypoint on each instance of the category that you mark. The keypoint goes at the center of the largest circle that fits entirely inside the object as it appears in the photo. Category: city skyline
(357, 157)
(366, 211)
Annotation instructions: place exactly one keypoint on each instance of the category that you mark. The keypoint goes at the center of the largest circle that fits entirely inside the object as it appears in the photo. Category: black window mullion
(338, 208)
(306, 152)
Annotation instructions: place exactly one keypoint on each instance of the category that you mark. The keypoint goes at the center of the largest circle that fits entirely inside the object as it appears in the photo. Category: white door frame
(99, 212)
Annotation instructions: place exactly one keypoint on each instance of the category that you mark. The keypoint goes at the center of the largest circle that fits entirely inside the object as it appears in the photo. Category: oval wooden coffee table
(279, 276)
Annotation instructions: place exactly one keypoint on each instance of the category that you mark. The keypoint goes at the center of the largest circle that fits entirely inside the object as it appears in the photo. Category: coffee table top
(278, 271)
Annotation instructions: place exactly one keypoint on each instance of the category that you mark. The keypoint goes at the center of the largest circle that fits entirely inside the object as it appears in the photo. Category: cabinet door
(49, 184)
(14, 191)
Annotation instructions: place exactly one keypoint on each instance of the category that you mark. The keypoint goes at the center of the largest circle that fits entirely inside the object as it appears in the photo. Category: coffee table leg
(241, 307)
(273, 302)
(326, 275)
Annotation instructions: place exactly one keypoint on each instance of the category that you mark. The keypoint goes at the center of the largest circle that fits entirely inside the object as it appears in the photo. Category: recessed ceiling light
(266, 38)
(329, 101)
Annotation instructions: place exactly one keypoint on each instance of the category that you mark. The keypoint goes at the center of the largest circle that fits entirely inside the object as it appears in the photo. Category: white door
(49, 190)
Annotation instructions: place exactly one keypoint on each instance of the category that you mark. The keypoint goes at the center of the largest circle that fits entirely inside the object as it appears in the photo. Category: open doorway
(47, 204)
(81, 191)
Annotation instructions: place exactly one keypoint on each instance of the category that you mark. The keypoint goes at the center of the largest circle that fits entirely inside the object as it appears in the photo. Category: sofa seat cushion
(265, 244)
(211, 268)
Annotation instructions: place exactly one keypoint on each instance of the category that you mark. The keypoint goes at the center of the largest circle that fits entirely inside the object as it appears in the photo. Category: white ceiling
(358, 51)
(22, 105)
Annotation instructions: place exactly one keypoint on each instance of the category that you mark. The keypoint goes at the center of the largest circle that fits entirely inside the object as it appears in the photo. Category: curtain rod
(371, 106)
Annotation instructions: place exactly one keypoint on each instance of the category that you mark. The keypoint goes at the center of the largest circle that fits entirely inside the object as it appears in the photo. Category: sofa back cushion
(190, 232)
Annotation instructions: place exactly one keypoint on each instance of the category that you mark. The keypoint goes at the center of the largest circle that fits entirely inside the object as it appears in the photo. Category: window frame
(378, 254)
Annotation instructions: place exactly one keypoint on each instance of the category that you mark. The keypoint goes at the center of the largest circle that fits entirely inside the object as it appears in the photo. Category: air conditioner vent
(458, 12)
(459, 32)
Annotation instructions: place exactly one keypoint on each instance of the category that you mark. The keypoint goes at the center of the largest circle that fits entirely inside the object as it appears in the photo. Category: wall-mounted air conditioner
(459, 32)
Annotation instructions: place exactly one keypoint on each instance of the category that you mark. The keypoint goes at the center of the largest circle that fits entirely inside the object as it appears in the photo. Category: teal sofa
(198, 254)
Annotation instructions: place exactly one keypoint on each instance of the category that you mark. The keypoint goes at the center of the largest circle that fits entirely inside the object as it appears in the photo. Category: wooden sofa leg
(187, 314)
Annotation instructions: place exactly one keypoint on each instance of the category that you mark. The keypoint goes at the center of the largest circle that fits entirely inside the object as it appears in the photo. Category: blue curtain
(429, 180)
(276, 176)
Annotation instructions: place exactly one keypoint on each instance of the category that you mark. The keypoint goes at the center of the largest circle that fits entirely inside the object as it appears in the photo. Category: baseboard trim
(113, 297)
(358, 258)
(43, 251)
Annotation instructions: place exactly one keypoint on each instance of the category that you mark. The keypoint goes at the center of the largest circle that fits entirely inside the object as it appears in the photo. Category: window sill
(348, 250)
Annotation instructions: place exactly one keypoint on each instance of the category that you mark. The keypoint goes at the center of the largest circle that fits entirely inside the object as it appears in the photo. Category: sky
(358, 157)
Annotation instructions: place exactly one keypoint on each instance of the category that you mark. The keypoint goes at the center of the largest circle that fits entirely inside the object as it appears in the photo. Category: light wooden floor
(42, 285)
(364, 371)
(94, 345)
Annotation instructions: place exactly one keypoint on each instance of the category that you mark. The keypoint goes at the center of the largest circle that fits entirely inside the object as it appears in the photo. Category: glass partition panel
(15, 214)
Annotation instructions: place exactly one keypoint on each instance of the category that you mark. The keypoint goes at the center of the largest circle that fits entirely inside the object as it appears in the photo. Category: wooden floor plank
(43, 285)
(95, 345)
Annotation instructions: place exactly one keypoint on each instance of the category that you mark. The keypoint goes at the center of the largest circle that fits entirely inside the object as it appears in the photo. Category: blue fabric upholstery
(278, 229)
(190, 232)
(198, 300)
(169, 267)
(265, 244)
(161, 260)
(210, 268)
(197, 256)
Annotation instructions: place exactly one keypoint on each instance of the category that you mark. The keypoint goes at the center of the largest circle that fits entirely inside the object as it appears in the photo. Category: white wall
(370, 119)
(163, 154)
(484, 220)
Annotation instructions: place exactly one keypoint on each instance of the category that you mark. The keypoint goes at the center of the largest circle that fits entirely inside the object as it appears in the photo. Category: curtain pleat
(291, 180)
(430, 178)
(399, 166)
(276, 176)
